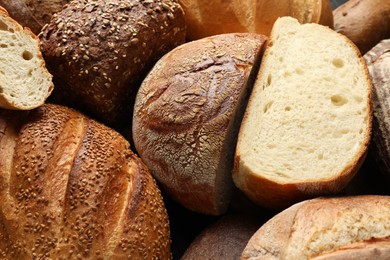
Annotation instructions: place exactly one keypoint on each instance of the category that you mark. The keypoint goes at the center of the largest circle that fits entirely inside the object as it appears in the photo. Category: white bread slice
(308, 121)
(25, 82)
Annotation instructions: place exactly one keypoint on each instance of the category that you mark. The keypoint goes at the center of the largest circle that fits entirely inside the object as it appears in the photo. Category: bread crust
(205, 18)
(356, 226)
(99, 52)
(72, 188)
(364, 22)
(184, 123)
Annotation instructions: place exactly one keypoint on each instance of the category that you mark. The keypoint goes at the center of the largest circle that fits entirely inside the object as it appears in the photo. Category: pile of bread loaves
(104, 102)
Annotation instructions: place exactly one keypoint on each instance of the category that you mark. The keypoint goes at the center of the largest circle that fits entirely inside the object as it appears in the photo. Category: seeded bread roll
(33, 13)
(187, 114)
(364, 22)
(100, 51)
(378, 62)
(71, 188)
(205, 18)
(356, 227)
(25, 82)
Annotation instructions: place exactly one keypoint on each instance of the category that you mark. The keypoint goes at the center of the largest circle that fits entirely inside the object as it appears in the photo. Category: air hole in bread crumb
(338, 100)
(360, 131)
(3, 45)
(344, 131)
(338, 63)
(267, 106)
(281, 59)
(287, 108)
(269, 79)
(358, 99)
(271, 146)
(320, 156)
(299, 71)
(27, 55)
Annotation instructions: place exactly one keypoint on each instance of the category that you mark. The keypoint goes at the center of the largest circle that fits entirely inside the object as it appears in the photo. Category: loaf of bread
(378, 62)
(70, 188)
(224, 239)
(365, 22)
(356, 227)
(205, 18)
(187, 114)
(308, 121)
(100, 51)
(33, 13)
(25, 82)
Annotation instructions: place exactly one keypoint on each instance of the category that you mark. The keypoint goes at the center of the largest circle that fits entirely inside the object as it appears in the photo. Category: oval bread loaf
(356, 227)
(364, 22)
(184, 124)
(307, 125)
(70, 188)
(205, 18)
(33, 14)
(100, 51)
(25, 83)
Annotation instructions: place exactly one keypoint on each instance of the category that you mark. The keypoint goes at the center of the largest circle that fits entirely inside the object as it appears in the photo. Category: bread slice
(308, 122)
(25, 82)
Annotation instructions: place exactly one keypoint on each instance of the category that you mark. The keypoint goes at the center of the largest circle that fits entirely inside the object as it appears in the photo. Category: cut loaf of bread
(308, 122)
(25, 82)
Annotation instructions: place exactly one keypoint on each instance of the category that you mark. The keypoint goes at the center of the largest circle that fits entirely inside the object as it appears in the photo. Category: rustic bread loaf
(307, 125)
(70, 188)
(378, 62)
(205, 18)
(25, 82)
(33, 13)
(365, 22)
(326, 228)
(187, 113)
(224, 239)
(100, 51)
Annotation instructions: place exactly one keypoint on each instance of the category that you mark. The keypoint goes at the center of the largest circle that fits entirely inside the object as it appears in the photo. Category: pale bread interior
(25, 83)
(308, 116)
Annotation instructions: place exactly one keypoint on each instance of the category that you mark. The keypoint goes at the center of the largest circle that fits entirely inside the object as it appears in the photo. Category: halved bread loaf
(356, 227)
(25, 82)
(307, 125)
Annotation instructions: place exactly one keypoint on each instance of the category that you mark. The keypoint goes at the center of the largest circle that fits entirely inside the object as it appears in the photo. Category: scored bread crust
(71, 188)
(100, 51)
(186, 116)
(21, 101)
(205, 18)
(274, 194)
(325, 227)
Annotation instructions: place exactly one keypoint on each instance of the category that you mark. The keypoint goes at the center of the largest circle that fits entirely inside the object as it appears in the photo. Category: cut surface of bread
(25, 82)
(308, 121)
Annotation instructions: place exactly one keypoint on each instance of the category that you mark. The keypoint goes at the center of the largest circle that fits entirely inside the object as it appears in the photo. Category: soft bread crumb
(25, 82)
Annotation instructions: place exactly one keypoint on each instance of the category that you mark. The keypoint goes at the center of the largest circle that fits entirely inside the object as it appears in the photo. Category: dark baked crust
(71, 188)
(100, 51)
(184, 125)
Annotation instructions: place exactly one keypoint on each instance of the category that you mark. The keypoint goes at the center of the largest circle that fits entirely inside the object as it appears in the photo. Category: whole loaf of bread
(70, 188)
(100, 51)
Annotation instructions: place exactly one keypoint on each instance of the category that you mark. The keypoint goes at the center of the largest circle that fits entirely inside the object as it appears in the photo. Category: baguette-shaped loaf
(70, 188)
(308, 122)
(185, 123)
(205, 18)
(25, 82)
(378, 62)
(100, 51)
(356, 227)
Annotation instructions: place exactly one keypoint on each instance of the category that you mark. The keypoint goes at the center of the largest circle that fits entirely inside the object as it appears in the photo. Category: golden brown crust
(205, 18)
(336, 226)
(365, 22)
(72, 188)
(100, 51)
(183, 124)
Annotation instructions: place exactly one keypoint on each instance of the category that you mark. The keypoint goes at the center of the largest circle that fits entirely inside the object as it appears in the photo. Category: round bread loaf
(100, 51)
(187, 114)
(70, 188)
(206, 18)
(33, 13)
(356, 227)
(364, 22)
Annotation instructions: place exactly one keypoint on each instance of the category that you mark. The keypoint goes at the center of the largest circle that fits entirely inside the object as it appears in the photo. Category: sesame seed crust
(72, 189)
(100, 51)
